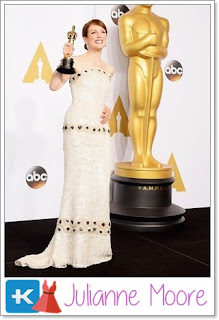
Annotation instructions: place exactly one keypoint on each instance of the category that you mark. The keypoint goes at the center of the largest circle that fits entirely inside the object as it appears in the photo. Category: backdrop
(34, 114)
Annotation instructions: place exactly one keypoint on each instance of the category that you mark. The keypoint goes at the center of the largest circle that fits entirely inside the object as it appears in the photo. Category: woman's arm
(57, 80)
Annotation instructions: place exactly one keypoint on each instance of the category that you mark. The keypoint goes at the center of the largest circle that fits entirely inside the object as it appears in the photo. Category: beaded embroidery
(87, 128)
(90, 69)
(85, 226)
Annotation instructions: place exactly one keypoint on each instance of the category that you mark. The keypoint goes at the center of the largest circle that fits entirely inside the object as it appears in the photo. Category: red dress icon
(47, 302)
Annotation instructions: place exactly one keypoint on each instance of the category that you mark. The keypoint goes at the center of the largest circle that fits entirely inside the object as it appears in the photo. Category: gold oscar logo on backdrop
(178, 184)
(118, 121)
(39, 69)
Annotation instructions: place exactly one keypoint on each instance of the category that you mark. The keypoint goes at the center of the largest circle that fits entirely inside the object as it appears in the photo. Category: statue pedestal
(66, 66)
(142, 203)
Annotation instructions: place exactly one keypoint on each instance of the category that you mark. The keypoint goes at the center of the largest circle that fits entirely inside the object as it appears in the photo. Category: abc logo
(117, 11)
(173, 70)
(36, 177)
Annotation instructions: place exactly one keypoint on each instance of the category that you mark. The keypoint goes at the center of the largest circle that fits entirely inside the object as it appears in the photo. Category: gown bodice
(89, 90)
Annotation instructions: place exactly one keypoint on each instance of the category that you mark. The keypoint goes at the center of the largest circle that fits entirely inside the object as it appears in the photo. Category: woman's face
(96, 37)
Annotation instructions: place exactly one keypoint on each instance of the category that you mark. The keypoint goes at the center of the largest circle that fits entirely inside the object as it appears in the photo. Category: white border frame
(213, 233)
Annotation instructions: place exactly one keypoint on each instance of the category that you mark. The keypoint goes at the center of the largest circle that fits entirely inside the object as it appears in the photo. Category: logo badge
(174, 70)
(118, 121)
(21, 295)
(36, 177)
(117, 11)
(178, 184)
(39, 70)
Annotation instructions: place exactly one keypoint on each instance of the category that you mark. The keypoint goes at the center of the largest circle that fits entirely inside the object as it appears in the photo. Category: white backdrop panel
(34, 114)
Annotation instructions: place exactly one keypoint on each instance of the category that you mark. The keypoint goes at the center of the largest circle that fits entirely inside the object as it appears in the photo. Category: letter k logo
(21, 295)
(18, 296)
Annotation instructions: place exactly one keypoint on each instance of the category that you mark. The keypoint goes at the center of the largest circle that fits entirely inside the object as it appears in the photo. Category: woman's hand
(105, 115)
(68, 50)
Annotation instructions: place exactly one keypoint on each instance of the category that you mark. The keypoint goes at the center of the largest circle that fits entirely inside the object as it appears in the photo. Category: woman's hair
(87, 25)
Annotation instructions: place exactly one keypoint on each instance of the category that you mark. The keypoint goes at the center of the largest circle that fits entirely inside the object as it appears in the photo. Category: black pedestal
(66, 66)
(144, 204)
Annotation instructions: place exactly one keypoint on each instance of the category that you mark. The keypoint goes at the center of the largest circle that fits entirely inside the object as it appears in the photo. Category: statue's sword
(147, 111)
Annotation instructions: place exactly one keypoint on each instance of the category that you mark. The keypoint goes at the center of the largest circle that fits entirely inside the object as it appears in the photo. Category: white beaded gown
(82, 235)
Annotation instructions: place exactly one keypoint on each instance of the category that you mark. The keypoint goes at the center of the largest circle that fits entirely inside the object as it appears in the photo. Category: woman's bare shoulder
(79, 62)
(79, 57)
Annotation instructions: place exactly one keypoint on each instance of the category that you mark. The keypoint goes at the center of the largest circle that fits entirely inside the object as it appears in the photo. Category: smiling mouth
(99, 41)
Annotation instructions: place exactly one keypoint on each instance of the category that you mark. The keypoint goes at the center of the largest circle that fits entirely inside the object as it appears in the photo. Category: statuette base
(126, 169)
(144, 204)
(66, 66)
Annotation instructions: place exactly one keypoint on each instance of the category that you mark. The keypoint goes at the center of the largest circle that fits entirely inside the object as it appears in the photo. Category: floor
(182, 252)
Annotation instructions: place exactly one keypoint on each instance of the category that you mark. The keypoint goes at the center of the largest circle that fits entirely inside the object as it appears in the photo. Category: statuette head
(147, 5)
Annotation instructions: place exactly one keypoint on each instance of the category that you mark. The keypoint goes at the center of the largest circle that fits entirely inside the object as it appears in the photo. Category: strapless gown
(82, 236)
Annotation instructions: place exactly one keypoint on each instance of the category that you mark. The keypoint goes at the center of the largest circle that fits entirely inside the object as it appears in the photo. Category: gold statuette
(66, 65)
(141, 190)
(144, 38)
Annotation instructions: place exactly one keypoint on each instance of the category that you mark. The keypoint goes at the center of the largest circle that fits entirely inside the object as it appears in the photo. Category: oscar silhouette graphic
(40, 67)
(141, 190)
(118, 120)
(40, 80)
(47, 302)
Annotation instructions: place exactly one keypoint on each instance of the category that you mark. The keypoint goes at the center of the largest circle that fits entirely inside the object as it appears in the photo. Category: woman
(82, 234)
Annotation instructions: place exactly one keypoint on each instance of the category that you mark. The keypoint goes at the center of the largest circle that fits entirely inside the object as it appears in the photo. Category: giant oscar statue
(141, 190)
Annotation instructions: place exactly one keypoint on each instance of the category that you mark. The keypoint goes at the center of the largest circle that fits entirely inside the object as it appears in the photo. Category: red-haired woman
(82, 235)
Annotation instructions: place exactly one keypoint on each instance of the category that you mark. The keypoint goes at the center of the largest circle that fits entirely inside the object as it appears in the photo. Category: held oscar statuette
(141, 190)
(66, 65)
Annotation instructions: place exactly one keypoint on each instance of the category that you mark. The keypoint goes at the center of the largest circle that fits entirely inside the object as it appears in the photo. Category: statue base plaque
(143, 204)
